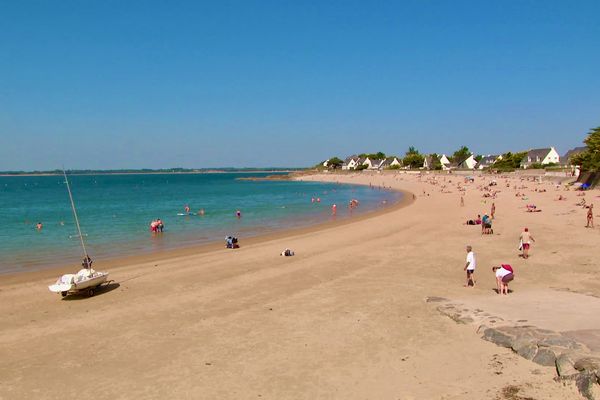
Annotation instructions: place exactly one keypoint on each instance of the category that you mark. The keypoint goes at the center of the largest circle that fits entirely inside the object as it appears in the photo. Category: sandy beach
(345, 318)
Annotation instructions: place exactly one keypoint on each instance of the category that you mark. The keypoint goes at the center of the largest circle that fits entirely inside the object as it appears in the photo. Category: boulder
(495, 335)
(435, 299)
(559, 341)
(587, 385)
(591, 364)
(564, 365)
(525, 347)
(545, 356)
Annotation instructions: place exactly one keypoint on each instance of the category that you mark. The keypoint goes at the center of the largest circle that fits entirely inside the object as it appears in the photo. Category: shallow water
(115, 212)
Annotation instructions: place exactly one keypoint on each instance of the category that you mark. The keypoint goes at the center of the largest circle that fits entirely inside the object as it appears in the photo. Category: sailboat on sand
(86, 280)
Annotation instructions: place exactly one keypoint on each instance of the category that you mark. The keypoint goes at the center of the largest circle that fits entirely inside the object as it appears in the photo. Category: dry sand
(343, 319)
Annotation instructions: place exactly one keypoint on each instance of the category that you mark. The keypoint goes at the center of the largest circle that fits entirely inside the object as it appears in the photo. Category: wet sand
(345, 318)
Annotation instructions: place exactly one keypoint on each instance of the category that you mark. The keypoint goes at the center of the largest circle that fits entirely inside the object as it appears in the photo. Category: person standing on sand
(462, 201)
(470, 267)
(590, 217)
(526, 240)
(493, 211)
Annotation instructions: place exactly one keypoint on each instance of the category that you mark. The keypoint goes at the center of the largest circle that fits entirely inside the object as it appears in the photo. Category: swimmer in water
(201, 212)
(187, 209)
(39, 226)
(238, 214)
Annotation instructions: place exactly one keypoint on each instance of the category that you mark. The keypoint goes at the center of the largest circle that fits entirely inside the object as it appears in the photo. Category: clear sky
(151, 84)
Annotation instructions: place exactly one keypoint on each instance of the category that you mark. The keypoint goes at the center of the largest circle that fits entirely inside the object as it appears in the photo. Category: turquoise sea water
(115, 212)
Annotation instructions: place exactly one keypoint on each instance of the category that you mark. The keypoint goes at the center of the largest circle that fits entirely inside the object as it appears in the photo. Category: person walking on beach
(493, 211)
(470, 267)
(590, 217)
(526, 240)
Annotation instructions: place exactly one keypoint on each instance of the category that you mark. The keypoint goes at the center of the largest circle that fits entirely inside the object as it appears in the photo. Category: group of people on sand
(504, 273)
(485, 222)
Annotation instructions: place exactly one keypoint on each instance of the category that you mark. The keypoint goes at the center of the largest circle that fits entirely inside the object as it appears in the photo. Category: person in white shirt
(470, 267)
(504, 274)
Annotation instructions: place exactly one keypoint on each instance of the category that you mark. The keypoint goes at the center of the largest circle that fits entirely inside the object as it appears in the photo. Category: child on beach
(470, 267)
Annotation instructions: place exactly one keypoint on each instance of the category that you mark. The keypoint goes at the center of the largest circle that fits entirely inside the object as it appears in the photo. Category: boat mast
(85, 254)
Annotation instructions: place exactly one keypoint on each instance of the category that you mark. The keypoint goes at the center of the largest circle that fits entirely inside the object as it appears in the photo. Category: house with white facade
(445, 162)
(372, 163)
(351, 163)
(487, 161)
(428, 162)
(540, 156)
(390, 162)
(467, 163)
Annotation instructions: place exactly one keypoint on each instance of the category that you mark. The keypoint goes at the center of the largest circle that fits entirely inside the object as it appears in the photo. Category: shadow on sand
(100, 290)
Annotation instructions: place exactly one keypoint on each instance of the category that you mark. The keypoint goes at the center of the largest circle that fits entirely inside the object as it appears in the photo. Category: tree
(461, 154)
(412, 150)
(436, 164)
(509, 161)
(335, 163)
(413, 158)
(373, 156)
(589, 160)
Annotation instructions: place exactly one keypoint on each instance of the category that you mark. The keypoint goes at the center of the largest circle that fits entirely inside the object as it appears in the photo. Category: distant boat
(86, 280)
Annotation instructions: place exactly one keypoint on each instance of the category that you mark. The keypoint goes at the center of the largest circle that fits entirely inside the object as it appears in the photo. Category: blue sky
(151, 84)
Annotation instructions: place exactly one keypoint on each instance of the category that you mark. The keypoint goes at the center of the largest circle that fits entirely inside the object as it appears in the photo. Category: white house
(467, 163)
(372, 163)
(540, 156)
(350, 162)
(428, 162)
(487, 161)
(390, 162)
(444, 161)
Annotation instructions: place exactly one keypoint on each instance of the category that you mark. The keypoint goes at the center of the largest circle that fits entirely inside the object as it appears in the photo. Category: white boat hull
(74, 283)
